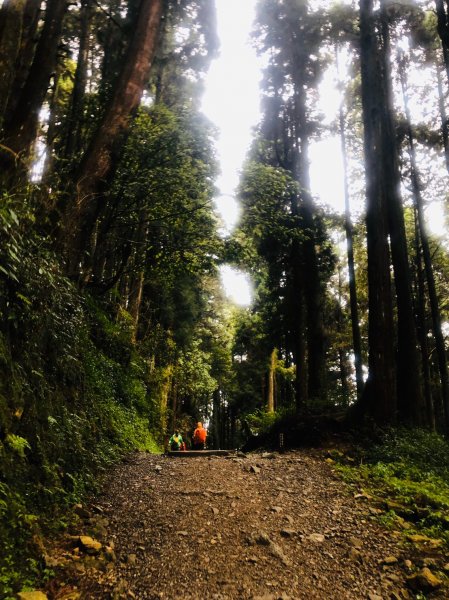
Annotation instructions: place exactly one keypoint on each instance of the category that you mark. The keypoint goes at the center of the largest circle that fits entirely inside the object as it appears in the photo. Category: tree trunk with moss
(271, 396)
(98, 161)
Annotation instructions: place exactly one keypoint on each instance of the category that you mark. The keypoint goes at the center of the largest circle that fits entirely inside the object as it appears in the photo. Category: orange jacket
(199, 435)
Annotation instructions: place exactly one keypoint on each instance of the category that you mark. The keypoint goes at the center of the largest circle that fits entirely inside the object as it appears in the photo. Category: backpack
(200, 436)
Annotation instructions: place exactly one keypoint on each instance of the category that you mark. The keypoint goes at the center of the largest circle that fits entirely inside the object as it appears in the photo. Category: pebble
(288, 533)
(316, 537)
(309, 499)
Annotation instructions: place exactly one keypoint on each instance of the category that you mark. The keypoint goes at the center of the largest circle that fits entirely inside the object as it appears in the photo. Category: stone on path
(288, 533)
(424, 581)
(318, 538)
(89, 545)
(390, 560)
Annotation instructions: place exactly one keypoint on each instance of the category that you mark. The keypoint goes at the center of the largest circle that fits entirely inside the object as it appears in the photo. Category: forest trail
(261, 527)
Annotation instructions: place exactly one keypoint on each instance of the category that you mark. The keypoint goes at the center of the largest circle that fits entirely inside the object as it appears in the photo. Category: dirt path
(260, 527)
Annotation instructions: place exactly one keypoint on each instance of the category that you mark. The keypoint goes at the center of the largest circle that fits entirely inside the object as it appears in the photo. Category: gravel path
(261, 527)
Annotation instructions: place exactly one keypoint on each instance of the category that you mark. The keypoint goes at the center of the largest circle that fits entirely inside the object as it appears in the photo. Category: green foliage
(73, 395)
(193, 374)
(261, 422)
(17, 444)
(408, 470)
(17, 528)
(423, 450)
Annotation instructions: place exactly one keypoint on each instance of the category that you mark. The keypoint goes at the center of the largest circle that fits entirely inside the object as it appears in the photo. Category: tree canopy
(114, 327)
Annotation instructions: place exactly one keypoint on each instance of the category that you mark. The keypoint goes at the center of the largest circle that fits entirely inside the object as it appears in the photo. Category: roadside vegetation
(405, 474)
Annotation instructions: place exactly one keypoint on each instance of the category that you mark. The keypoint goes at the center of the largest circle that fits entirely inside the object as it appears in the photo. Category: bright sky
(231, 101)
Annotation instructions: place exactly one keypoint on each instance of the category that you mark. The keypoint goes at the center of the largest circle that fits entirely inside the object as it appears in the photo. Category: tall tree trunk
(21, 127)
(433, 297)
(411, 407)
(436, 316)
(138, 276)
(272, 381)
(417, 202)
(342, 358)
(25, 55)
(217, 419)
(75, 120)
(314, 293)
(11, 31)
(349, 231)
(52, 128)
(422, 328)
(443, 116)
(379, 396)
(98, 161)
(297, 317)
(443, 31)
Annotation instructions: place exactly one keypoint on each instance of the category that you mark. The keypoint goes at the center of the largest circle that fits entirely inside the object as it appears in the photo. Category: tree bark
(217, 419)
(443, 31)
(21, 127)
(433, 297)
(379, 396)
(75, 120)
(272, 381)
(11, 30)
(349, 231)
(98, 161)
(25, 55)
(444, 119)
(421, 318)
(297, 317)
(421, 301)
(411, 408)
(314, 293)
(138, 277)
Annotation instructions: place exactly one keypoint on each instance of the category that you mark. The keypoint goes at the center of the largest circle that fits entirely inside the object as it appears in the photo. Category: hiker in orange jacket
(199, 437)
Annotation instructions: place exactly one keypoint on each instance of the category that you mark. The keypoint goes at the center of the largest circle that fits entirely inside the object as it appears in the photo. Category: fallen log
(197, 453)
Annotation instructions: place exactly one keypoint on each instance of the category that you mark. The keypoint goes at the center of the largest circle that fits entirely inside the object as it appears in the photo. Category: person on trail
(176, 442)
(199, 437)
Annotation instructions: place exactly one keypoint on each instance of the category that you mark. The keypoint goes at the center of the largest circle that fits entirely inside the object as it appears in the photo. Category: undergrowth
(407, 473)
(73, 398)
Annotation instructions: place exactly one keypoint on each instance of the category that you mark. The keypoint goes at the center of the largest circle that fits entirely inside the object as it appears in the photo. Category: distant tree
(97, 162)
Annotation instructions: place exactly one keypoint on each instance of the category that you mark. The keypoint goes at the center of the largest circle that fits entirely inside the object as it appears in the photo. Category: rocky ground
(261, 527)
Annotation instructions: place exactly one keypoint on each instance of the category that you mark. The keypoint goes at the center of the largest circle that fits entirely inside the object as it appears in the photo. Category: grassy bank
(74, 398)
(406, 473)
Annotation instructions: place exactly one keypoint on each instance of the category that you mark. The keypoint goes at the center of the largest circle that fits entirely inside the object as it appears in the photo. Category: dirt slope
(261, 527)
